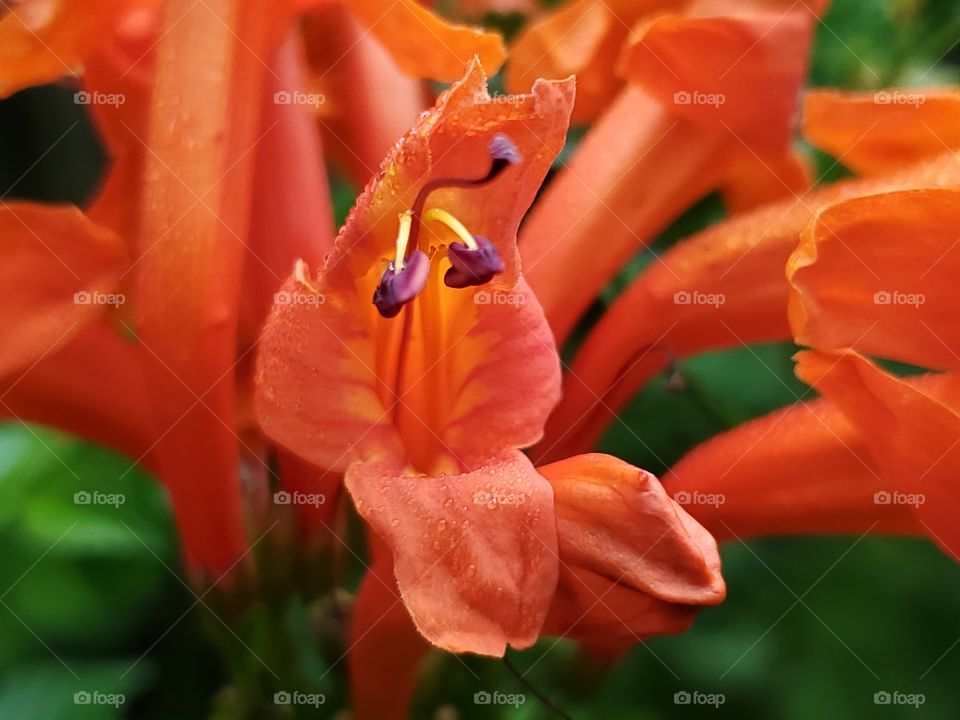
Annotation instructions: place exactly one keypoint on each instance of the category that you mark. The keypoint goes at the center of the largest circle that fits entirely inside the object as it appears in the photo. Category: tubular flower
(367, 58)
(422, 371)
(721, 288)
(178, 406)
(686, 124)
(878, 452)
(879, 132)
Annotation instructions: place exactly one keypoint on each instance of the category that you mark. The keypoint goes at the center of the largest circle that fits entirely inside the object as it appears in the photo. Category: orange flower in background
(186, 160)
(723, 287)
(877, 453)
(709, 106)
(393, 367)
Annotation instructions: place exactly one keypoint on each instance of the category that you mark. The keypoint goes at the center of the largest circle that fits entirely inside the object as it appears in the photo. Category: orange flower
(878, 453)
(424, 396)
(419, 411)
(708, 106)
(721, 288)
(169, 397)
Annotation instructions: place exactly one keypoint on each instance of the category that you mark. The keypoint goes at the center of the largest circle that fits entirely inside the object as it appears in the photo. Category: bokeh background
(90, 596)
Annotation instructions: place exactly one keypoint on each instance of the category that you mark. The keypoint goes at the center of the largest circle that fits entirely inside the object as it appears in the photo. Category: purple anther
(396, 289)
(472, 267)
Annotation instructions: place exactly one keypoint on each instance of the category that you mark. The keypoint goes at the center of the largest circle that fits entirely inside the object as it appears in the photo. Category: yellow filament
(442, 216)
(403, 237)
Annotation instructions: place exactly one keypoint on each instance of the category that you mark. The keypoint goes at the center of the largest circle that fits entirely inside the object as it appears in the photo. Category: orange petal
(878, 274)
(754, 180)
(582, 38)
(619, 532)
(322, 392)
(881, 131)
(41, 41)
(424, 44)
(196, 213)
(292, 217)
(742, 72)
(635, 171)
(452, 140)
(675, 304)
(60, 272)
(369, 102)
(475, 554)
(93, 388)
(384, 651)
(910, 428)
(803, 469)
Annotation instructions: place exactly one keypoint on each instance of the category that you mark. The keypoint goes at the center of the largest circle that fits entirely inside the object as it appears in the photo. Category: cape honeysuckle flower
(170, 397)
(709, 106)
(423, 370)
(878, 453)
(367, 58)
(721, 288)
(42, 41)
(881, 131)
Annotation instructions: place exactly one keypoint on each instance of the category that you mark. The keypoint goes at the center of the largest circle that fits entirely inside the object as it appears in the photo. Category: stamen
(442, 216)
(503, 154)
(403, 237)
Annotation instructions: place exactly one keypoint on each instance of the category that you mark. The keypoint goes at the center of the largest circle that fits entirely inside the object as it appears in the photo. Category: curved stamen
(503, 154)
(472, 262)
(405, 277)
(442, 216)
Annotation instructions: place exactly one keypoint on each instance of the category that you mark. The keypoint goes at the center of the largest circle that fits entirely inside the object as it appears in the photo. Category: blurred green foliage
(91, 600)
